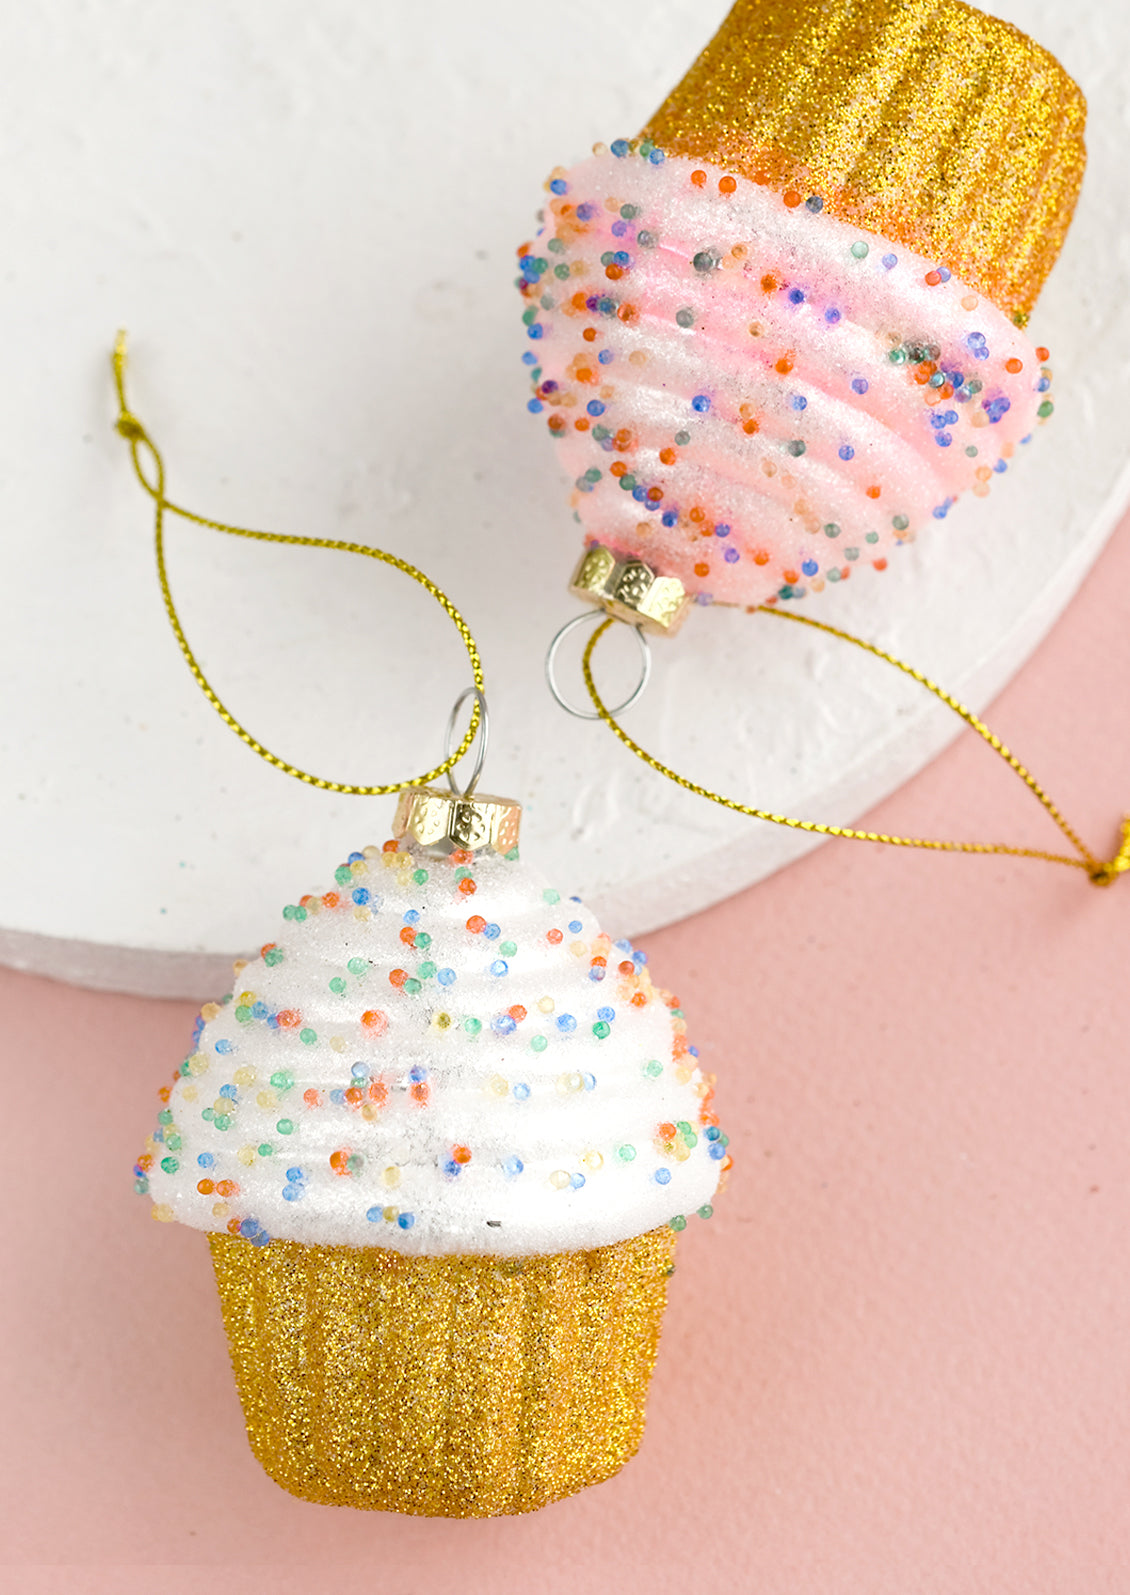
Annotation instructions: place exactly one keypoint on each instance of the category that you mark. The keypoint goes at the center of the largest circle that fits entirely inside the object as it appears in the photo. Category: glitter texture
(442, 1386)
(930, 123)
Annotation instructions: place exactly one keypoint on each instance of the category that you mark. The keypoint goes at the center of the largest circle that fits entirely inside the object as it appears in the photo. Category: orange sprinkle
(751, 427)
(461, 1154)
(583, 424)
(290, 1019)
(873, 492)
(476, 924)
(376, 1021)
(618, 468)
(624, 439)
(727, 185)
(667, 1131)
(268, 948)
(378, 1092)
(879, 564)
(627, 967)
(584, 374)
(397, 977)
(614, 272)
(227, 1188)
(578, 301)
(600, 963)
(517, 1013)
(205, 1187)
(408, 935)
(627, 312)
(769, 283)
(553, 936)
(467, 887)
(330, 900)
(668, 456)
(761, 557)
(338, 1160)
(233, 1226)
(460, 855)
(639, 999)
(792, 198)
(419, 1092)
(791, 575)
(932, 278)
(354, 1095)
(1043, 354)
(145, 1162)
(312, 1098)
(1014, 365)
(655, 494)
(698, 514)
(784, 365)
(165, 1093)
(391, 847)
(697, 178)
(702, 570)
(589, 334)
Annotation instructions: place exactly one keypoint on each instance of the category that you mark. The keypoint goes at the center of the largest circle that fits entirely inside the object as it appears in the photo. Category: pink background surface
(896, 1363)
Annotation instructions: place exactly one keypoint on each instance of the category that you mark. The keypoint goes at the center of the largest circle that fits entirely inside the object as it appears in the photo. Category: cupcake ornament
(778, 335)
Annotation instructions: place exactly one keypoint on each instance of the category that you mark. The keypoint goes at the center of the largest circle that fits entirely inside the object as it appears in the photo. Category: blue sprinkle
(337, 1096)
(273, 1022)
(670, 518)
(810, 567)
(361, 895)
(814, 203)
(831, 315)
(492, 932)
(594, 407)
(731, 555)
(1043, 385)
(944, 273)
(504, 1024)
(566, 1022)
(606, 356)
(529, 358)
(260, 1010)
(406, 1220)
(943, 439)
(719, 531)
(639, 956)
(717, 1151)
(374, 1214)
(622, 258)
(693, 1051)
(261, 1239)
(799, 402)
(559, 186)
(522, 1091)
(575, 926)
(293, 1193)
(1000, 466)
(534, 407)
(663, 1176)
(205, 1160)
(223, 1046)
(228, 1091)
(847, 452)
(590, 1081)
(701, 403)
(859, 385)
(417, 1073)
(619, 229)
(359, 1071)
(619, 147)
(536, 331)
(500, 967)
(294, 1174)
(796, 296)
(596, 973)
(586, 212)
(248, 1228)
(412, 916)
(447, 977)
(607, 1014)
(890, 261)
(355, 858)
(656, 157)
(576, 1181)
(451, 1168)
(512, 1167)
(639, 494)
(712, 1132)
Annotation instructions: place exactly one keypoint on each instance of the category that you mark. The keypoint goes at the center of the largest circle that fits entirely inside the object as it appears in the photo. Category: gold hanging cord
(1100, 872)
(138, 439)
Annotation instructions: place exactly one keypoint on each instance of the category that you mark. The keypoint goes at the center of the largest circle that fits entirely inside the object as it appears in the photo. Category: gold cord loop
(1098, 872)
(134, 432)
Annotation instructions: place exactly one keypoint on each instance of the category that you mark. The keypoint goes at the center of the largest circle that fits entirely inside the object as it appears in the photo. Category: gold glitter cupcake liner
(924, 121)
(442, 1386)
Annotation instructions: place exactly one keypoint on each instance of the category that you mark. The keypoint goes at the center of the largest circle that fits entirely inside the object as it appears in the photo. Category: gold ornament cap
(631, 591)
(447, 821)
(925, 121)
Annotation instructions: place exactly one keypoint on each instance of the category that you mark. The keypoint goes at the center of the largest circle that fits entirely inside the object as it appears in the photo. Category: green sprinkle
(412, 987)
(796, 447)
(308, 1037)
(462, 874)
(529, 316)
(629, 212)
(222, 1121)
(285, 1126)
(684, 1128)
(423, 941)
(512, 856)
(691, 1139)
(426, 970)
(900, 523)
(357, 966)
(860, 250)
(289, 911)
(508, 949)
(600, 1030)
(627, 1154)
(653, 1069)
(472, 1026)
(300, 913)
(706, 1211)
(1045, 409)
(208, 1113)
(282, 1080)
(627, 482)
(165, 1116)
(354, 1163)
(336, 984)
(682, 439)
(265, 1149)
(170, 1164)
(972, 451)
(560, 272)
(831, 530)
(556, 246)
(243, 1014)
(549, 894)
(173, 1142)
(897, 357)
(678, 1222)
(871, 537)
(343, 875)
(539, 1043)
(273, 957)
(420, 876)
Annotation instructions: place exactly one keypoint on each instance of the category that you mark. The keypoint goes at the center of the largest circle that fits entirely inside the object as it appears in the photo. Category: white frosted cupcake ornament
(442, 1134)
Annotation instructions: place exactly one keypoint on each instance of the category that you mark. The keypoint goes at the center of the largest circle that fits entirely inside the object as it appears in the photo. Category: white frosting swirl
(754, 396)
(437, 1057)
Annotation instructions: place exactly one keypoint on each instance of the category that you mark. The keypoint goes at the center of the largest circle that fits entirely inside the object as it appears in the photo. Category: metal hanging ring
(551, 660)
(480, 741)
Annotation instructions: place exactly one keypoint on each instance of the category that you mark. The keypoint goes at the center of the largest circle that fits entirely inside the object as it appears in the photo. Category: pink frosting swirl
(753, 396)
